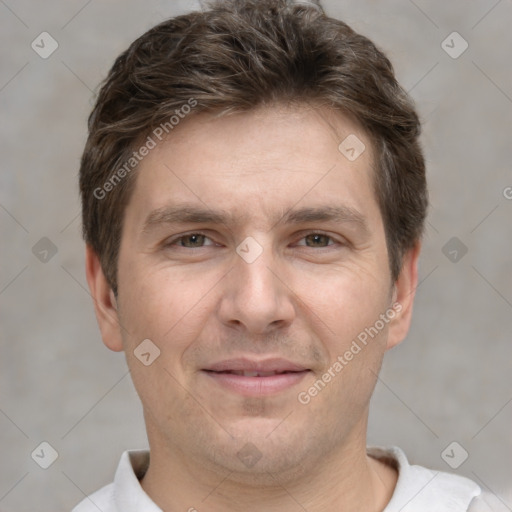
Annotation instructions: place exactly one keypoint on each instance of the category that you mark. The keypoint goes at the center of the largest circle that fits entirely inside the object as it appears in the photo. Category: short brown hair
(232, 57)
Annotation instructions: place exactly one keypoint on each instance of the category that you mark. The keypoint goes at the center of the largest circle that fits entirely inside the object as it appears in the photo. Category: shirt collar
(419, 488)
(129, 495)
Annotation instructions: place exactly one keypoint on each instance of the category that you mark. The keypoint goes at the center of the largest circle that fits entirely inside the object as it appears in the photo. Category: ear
(105, 304)
(403, 296)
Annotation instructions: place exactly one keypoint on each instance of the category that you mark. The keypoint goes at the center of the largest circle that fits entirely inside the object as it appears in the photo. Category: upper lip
(252, 365)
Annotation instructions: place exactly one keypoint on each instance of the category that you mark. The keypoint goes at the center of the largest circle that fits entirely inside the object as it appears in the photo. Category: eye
(191, 241)
(317, 240)
(199, 240)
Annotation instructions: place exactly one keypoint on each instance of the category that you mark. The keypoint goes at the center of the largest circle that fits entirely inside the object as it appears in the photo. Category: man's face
(296, 269)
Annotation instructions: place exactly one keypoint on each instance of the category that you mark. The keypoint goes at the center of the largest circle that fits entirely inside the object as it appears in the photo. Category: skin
(305, 298)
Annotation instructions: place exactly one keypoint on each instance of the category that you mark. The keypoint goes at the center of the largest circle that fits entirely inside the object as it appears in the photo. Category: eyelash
(172, 242)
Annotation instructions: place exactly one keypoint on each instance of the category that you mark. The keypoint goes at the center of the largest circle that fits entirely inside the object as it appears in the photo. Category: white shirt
(418, 489)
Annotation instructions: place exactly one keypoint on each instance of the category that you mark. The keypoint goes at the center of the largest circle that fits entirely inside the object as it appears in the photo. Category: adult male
(253, 198)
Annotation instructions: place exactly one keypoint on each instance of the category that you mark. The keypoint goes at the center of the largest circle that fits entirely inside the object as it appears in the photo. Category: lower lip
(257, 386)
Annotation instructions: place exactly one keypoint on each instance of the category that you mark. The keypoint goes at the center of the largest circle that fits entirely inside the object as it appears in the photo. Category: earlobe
(403, 296)
(105, 303)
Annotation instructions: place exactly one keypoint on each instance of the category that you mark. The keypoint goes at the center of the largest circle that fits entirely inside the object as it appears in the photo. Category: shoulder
(103, 499)
(488, 502)
(421, 489)
(124, 493)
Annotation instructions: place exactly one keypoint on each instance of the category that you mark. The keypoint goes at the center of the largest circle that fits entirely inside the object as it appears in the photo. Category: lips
(273, 366)
(248, 373)
(256, 378)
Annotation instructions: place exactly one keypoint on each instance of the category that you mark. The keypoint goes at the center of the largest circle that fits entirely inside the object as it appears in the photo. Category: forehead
(259, 165)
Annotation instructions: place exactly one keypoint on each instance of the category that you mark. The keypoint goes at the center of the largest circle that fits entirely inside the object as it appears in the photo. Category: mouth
(256, 378)
(249, 373)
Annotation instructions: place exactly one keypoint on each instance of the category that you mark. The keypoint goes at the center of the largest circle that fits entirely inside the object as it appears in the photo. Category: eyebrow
(189, 214)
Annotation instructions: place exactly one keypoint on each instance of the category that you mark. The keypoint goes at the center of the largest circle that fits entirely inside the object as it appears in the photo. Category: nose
(256, 297)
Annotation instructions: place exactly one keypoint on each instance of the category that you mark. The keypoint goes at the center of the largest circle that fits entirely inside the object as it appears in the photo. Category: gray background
(451, 380)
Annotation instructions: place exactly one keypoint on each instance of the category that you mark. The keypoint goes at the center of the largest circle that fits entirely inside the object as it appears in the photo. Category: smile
(256, 383)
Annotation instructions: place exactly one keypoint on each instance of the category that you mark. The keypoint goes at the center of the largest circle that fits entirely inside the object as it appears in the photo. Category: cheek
(344, 302)
(356, 338)
(162, 308)
(163, 305)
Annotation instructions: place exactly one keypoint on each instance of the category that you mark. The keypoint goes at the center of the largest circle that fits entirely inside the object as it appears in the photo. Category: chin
(262, 446)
